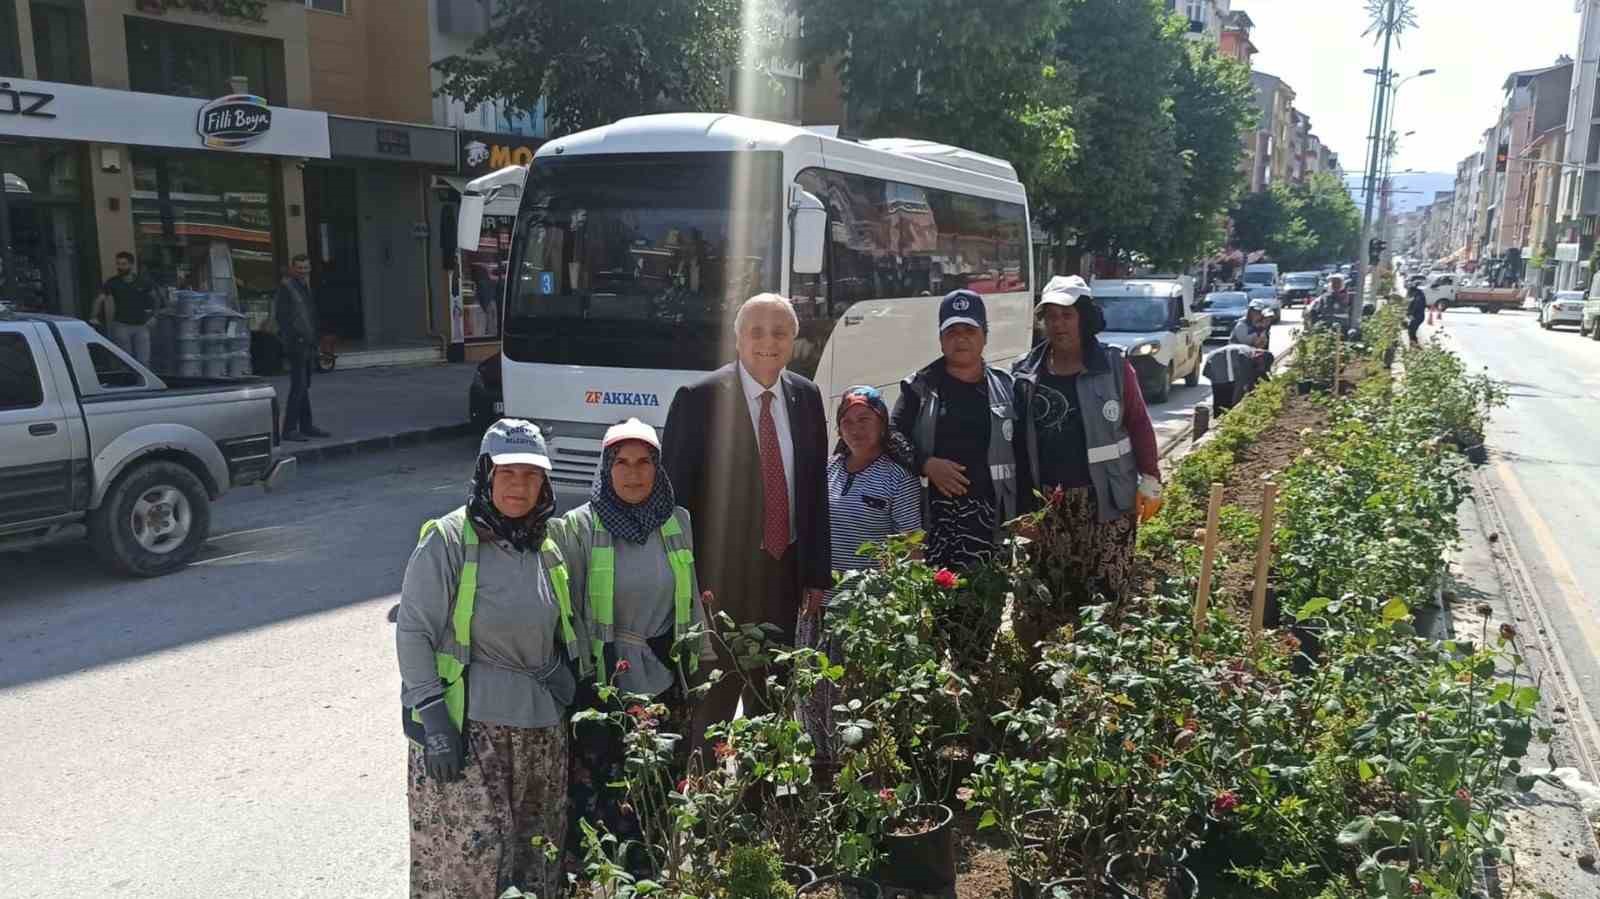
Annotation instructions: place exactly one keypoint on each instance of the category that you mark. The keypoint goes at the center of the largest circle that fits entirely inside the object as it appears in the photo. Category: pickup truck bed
(92, 443)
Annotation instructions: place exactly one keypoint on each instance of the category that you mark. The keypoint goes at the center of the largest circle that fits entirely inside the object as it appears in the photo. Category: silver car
(1565, 308)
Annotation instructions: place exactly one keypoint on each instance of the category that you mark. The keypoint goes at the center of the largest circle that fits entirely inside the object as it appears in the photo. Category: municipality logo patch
(961, 304)
(1112, 410)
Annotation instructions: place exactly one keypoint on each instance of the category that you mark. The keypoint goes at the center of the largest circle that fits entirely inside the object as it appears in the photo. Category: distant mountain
(1410, 191)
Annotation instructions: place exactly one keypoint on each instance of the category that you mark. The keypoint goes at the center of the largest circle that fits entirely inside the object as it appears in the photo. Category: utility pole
(1395, 14)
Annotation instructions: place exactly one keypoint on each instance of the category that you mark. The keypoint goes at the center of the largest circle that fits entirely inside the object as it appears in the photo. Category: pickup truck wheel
(1164, 388)
(152, 520)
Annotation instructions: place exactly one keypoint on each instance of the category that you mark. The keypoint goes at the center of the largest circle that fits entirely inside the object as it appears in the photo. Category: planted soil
(914, 825)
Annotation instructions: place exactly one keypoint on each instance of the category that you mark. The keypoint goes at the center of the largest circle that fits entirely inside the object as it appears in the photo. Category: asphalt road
(1544, 480)
(231, 729)
(1172, 416)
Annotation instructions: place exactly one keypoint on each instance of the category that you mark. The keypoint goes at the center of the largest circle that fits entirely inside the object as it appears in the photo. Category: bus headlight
(1145, 349)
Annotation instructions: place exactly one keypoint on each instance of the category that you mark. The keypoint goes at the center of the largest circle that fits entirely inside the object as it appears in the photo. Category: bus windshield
(640, 261)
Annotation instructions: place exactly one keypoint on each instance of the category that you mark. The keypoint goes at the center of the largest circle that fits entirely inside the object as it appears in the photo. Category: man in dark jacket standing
(746, 450)
(296, 314)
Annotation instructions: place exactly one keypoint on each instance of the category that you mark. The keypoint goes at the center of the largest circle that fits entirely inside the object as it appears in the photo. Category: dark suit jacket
(710, 453)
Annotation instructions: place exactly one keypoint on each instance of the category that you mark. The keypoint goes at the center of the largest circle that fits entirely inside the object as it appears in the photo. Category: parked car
(1444, 291)
(485, 398)
(93, 444)
(1225, 307)
(1156, 325)
(1591, 311)
(1565, 308)
(1300, 287)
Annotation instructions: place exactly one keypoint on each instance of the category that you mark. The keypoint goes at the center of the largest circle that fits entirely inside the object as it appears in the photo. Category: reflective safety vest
(603, 583)
(453, 655)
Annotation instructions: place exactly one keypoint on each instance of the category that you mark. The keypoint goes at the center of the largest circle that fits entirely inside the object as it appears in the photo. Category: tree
(601, 60)
(1330, 214)
(1300, 226)
(943, 71)
(1213, 105)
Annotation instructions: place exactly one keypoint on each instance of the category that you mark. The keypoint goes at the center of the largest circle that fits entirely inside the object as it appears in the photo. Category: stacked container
(199, 335)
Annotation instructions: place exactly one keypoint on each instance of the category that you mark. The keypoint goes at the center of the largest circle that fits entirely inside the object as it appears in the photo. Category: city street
(1545, 487)
(232, 727)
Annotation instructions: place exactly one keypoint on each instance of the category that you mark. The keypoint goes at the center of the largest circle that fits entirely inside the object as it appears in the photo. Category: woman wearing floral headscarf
(486, 633)
(871, 496)
(630, 550)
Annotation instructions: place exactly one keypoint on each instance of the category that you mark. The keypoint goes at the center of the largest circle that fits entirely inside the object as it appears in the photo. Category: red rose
(1416, 887)
(887, 795)
(1508, 631)
(1464, 794)
(623, 666)
(683, 786)
(945, 579)
(722, 750)
(1225, 802)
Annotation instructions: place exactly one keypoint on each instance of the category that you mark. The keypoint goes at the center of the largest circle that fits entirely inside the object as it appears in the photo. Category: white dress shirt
(780, 418)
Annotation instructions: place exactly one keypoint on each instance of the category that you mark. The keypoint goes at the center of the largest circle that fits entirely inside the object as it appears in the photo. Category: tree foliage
(1300, 226)
(597, 61)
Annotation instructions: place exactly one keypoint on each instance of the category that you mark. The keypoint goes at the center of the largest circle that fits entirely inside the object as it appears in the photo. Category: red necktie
(774, 486)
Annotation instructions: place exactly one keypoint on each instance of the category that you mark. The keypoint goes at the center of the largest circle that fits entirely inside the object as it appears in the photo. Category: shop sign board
(51, 110)
(483, 152)
(1568, 252)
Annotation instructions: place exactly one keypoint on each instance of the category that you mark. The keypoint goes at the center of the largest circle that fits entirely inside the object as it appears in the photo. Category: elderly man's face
(766, 342)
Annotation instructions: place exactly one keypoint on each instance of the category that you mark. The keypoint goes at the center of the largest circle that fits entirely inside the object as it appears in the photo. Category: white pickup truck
(1156, 325)
(1445, 292)
(94, 444)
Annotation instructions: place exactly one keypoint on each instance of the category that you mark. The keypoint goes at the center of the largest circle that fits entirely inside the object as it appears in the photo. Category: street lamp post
(1382, 119)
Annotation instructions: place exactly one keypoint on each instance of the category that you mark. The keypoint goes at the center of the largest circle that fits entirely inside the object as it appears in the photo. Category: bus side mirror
(810, 232)
(469, 222)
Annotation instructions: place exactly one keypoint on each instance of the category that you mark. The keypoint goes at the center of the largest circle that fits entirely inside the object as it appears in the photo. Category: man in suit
(746, 448)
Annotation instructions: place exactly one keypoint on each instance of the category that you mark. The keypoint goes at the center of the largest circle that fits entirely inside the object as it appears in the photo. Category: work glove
(1148, 501)
(442, 754)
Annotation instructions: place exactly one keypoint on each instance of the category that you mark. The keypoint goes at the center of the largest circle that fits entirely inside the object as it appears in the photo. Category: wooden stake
(1258, 603)
(1208, 558)
(1338, 363)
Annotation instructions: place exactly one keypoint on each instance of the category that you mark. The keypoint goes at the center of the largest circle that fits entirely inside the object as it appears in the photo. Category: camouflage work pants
(472, 838)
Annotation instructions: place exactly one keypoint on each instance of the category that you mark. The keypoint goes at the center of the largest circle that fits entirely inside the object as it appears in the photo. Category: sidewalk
(378, 408)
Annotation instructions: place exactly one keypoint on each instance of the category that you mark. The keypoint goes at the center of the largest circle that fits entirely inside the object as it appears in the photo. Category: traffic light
(1375, 248)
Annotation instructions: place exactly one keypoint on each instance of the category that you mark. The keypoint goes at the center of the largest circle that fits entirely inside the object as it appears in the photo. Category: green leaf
(1365, 770)
(1313, 607)
(988, 819)
(1394, 881)
(1527, 699)
(1395, 610)
(1356, 832)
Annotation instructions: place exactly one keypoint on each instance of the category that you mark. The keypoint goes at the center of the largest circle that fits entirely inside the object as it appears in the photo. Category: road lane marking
(1566, 583)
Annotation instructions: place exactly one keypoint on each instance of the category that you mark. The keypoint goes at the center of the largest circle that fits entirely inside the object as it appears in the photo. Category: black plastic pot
(1310, 654)
(1037, 826)
(924, 861)
(1304, 388)
(1075, 887)
(1394, 855)
(951, 773)
(1179, 882)
(1477, 454)
(849, 887)
(798, 875)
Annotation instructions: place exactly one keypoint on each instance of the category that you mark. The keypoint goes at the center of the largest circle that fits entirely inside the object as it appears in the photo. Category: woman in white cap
(630, 551)
(487, 640)
(1089, 448)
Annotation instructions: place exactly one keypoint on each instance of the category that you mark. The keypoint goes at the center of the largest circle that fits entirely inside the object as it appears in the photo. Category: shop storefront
(203, 193)
(478, 276)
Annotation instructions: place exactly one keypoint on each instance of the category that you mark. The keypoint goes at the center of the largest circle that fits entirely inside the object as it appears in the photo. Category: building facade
(1274, 132)
(1578, 205)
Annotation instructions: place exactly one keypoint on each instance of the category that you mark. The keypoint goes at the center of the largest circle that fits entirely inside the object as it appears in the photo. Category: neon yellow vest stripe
(603, 584)
(452, 658)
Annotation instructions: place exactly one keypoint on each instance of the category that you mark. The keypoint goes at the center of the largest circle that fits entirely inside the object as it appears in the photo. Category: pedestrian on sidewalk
(488, 638)
(630, 555)
(959, 417)
(295, 310)
(1415, 310)
(753, 429)
(125, 306)
(1090, 447)
(872, 496)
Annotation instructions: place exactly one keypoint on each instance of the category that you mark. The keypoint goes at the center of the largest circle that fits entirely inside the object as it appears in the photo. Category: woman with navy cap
(957, 414)
(871, 497)
(1088, 445)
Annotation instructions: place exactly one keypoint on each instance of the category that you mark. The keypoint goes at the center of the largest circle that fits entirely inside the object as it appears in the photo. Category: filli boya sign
(234, 121)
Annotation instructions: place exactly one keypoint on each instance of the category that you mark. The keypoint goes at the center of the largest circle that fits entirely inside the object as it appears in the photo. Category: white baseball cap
(632, 429)
(1065, 290)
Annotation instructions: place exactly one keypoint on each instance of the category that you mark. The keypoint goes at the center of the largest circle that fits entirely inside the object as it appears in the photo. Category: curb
(348, 448)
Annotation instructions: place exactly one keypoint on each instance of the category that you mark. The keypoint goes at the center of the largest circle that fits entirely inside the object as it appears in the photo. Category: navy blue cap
(963, 307)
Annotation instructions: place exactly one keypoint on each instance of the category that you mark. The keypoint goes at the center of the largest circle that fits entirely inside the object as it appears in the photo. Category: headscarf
(629, 521)
(523, 533)
(895, 445)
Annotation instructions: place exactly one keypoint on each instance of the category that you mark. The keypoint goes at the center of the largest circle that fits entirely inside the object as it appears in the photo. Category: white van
(1261, 274)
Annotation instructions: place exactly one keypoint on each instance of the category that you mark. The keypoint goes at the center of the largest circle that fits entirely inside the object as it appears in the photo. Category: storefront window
(199, 62)
(10, 43)
(44, 218)
(206, 221)
(60, 40)
(483, 276)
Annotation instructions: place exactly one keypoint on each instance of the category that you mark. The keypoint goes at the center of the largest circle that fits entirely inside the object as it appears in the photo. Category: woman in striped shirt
(871, 497)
